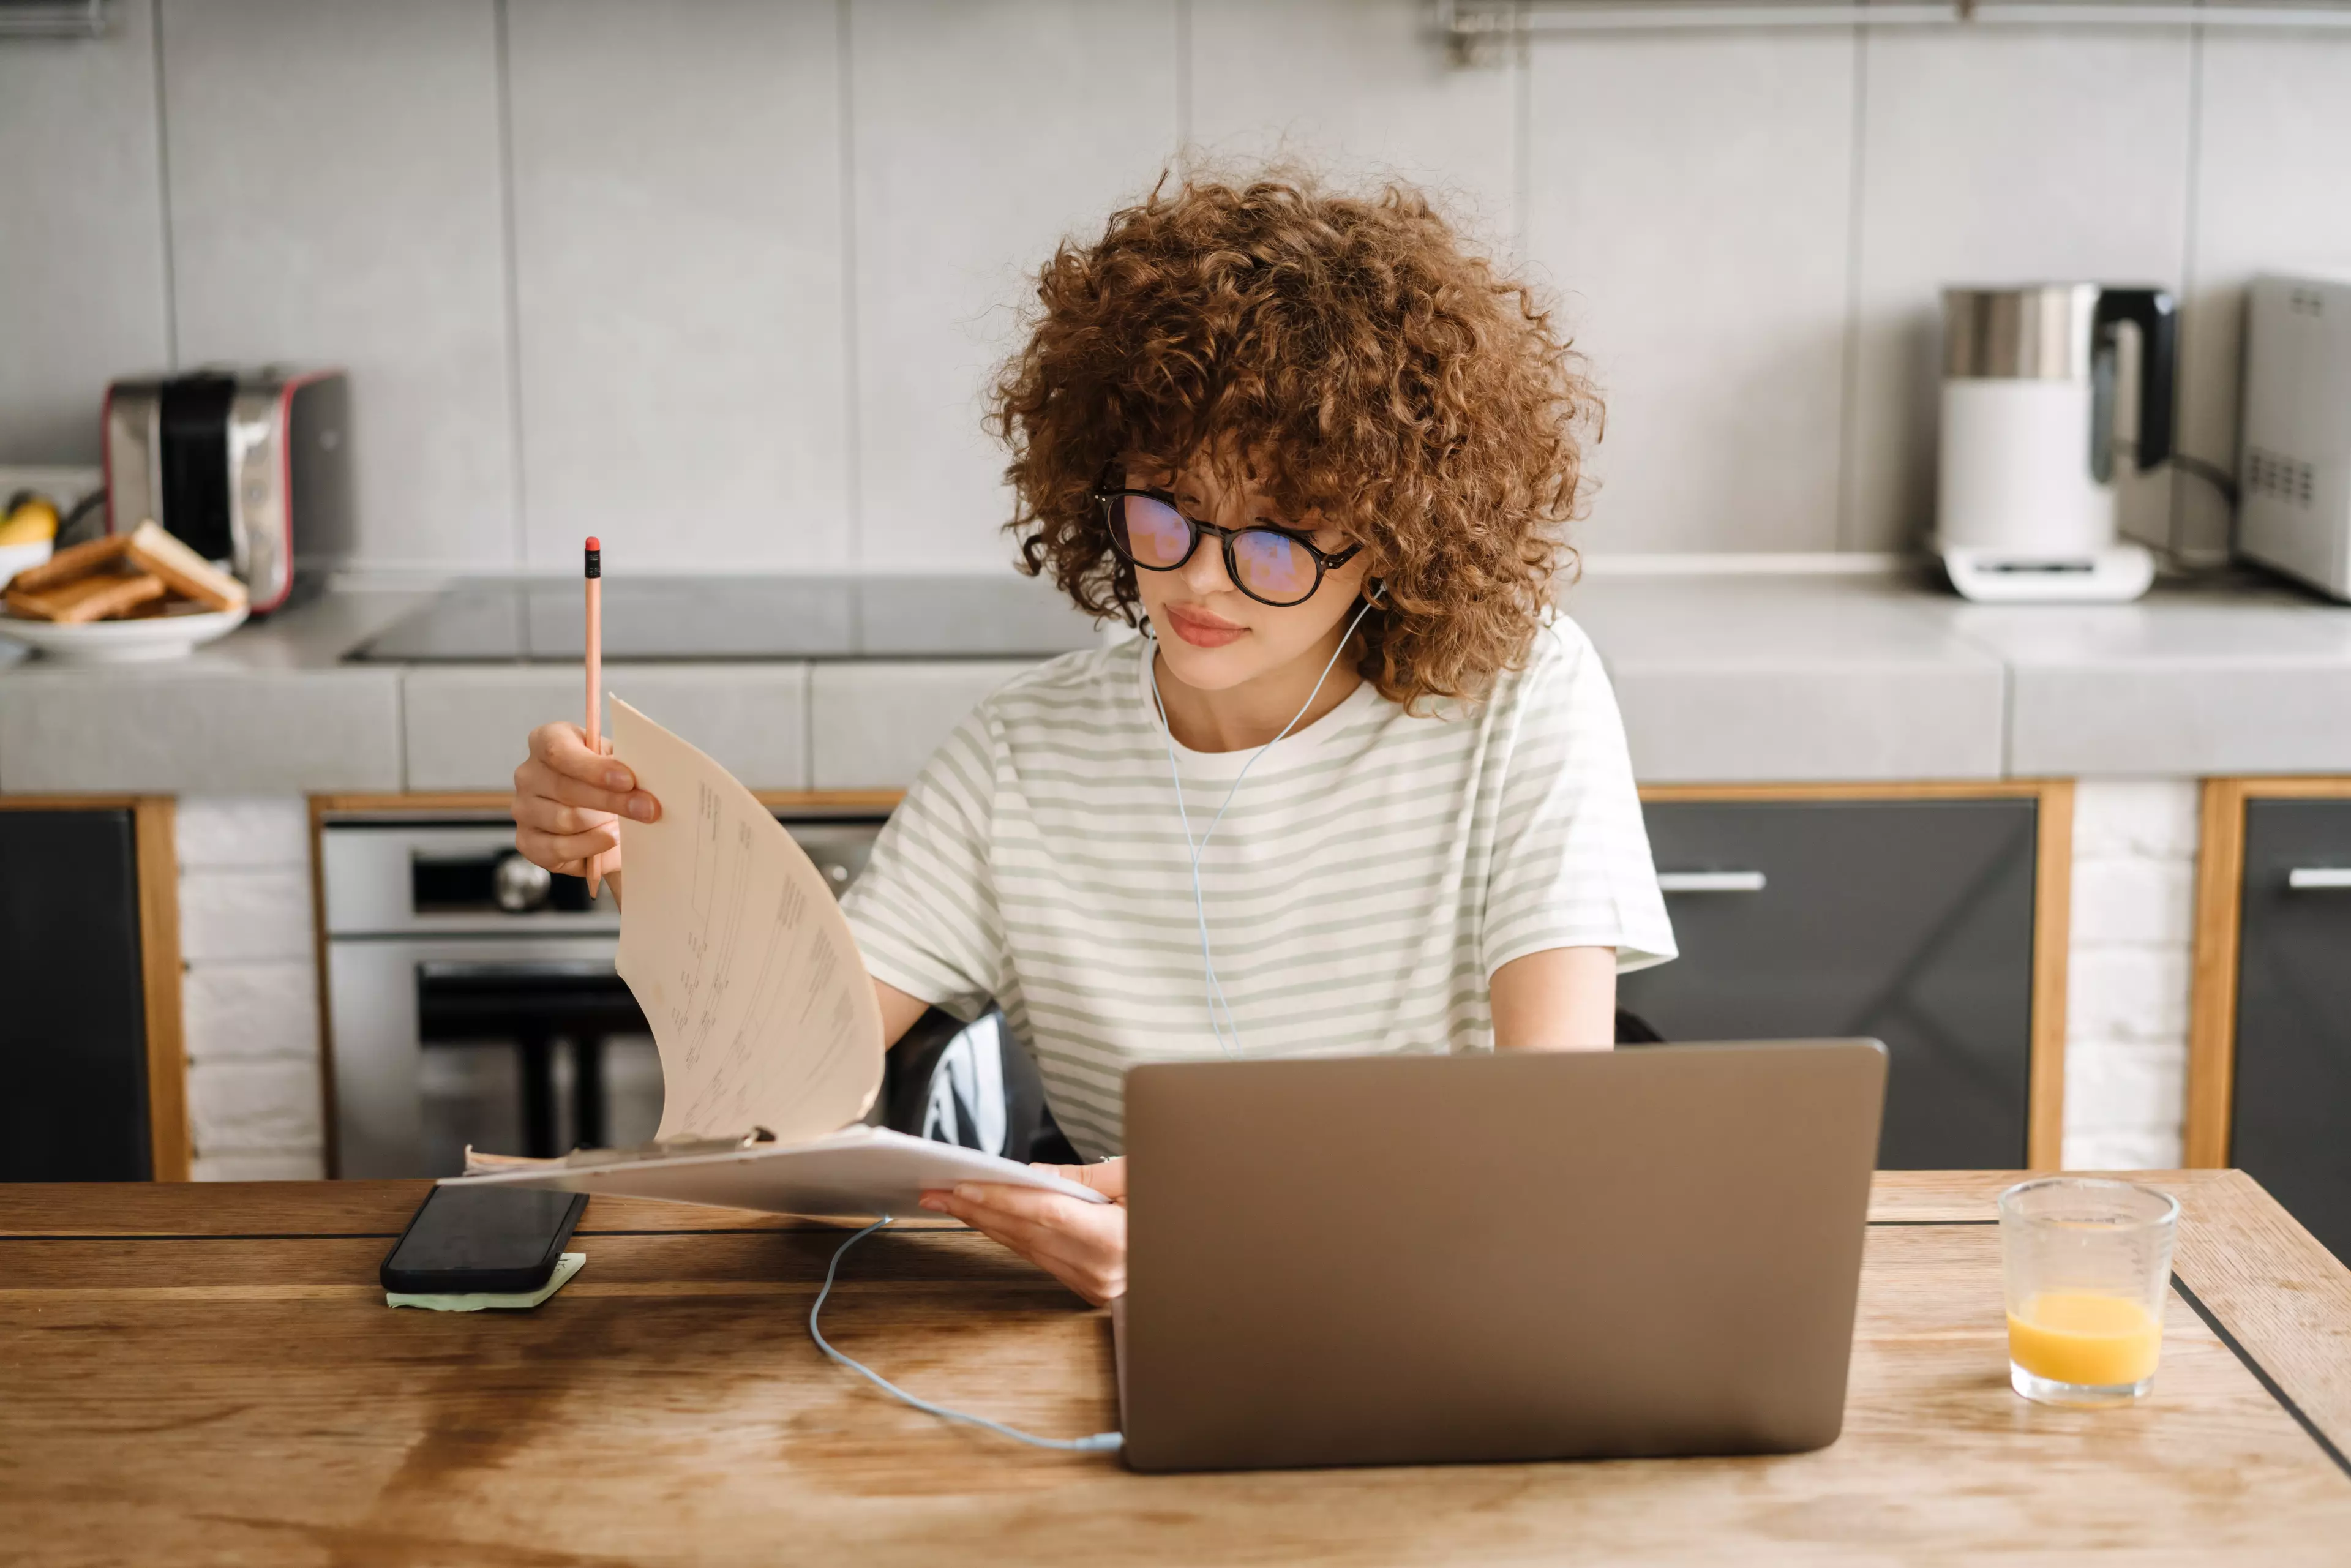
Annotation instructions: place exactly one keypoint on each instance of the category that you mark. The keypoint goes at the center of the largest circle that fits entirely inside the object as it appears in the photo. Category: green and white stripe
(1374, 870)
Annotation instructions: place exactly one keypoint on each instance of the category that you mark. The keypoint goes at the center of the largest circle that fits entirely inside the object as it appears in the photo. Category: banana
(33, 521)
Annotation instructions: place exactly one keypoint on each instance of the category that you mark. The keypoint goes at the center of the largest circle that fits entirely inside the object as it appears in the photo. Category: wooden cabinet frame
(155, 841)
(2051, 891)
(2212, 984)
(2052, 915)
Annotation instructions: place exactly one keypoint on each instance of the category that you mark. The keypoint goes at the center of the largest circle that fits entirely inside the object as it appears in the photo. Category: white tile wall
(2008, 155)
(678, 280)
(1359, 88)
(982, 133)
(725, 279)
(1690, 196)
(249, 995)
(82, 274)
(336, 197)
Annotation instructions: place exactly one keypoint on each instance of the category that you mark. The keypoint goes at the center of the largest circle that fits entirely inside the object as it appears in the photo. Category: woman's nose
(1205, 572)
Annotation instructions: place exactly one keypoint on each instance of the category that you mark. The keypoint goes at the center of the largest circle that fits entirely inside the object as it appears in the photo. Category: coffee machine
(2025, 505)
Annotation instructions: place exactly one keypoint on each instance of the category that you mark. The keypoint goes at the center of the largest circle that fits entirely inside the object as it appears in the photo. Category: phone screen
(482, 1238)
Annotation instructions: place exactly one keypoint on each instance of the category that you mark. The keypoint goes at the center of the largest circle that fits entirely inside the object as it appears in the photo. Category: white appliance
(2025, 505)
(2294, 469)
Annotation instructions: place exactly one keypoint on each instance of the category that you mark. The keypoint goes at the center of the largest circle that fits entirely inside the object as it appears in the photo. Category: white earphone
(1106, 1442)
(1213, 990)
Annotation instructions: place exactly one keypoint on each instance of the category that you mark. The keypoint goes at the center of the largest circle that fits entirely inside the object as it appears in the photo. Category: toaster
(250, 467)
(2294, 465)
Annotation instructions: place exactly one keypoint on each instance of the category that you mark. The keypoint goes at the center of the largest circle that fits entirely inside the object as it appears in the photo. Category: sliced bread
(68, 564)
(183, 571)
(92, 598)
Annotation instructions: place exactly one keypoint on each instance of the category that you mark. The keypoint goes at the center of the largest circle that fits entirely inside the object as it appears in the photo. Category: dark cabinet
(75, 1101)
(1908, 920)
(2290, 1123)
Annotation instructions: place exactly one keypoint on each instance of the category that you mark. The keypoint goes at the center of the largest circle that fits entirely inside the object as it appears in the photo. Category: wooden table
(209, 1374)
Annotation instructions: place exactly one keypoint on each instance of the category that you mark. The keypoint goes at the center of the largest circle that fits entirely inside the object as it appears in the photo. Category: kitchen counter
(1751, 679)
(268, 709)
(209, 1374)
(1728, 679)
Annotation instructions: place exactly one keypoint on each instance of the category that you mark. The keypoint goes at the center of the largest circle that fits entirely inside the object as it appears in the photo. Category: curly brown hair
(1357, 352)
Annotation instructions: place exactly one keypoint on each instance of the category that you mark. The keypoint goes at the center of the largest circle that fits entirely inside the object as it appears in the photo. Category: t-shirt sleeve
(924, 910)
(1571, 865)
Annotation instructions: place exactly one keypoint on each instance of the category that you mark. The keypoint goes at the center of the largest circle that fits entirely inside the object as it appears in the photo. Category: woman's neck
(1256, 711)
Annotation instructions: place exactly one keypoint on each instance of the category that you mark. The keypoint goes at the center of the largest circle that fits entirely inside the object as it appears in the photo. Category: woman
(1360, 790)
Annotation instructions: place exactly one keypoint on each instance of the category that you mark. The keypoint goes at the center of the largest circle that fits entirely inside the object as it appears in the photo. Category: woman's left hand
(1084, 1245)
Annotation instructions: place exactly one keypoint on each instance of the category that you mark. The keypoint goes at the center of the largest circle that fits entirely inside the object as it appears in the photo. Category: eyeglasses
(1270, 565)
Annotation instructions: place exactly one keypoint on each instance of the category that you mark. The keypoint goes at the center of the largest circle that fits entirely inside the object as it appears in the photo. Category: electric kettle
(2025, 505)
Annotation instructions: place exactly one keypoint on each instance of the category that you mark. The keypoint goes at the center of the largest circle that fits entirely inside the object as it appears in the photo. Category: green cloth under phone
(565, 1266)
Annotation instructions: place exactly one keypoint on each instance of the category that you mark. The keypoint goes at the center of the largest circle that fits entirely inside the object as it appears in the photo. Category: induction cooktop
(652, 619)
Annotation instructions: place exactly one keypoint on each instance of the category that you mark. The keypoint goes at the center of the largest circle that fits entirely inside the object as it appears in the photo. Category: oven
(471, 997)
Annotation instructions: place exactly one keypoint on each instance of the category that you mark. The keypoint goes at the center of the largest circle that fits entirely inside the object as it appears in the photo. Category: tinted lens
(1151, 533)
(1272, 566)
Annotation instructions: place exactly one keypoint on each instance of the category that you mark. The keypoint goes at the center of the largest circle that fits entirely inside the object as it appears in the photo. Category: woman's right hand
(568, 801)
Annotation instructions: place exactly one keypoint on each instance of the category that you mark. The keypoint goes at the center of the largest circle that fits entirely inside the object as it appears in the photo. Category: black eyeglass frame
(1325, 561)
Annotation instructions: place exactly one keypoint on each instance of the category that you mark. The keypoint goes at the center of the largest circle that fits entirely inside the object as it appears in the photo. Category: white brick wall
(2127, 987)
(250, 991)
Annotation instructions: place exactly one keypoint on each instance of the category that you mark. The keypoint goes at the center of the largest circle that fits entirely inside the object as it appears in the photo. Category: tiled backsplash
(719, 279)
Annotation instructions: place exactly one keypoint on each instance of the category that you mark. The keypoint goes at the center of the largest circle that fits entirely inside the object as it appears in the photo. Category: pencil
(595, 575)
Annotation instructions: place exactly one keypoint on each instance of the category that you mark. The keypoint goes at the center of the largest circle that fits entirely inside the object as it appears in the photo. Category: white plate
(123, 642)
(14, 559)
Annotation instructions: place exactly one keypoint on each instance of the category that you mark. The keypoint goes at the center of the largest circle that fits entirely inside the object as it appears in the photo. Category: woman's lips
(1203, 631)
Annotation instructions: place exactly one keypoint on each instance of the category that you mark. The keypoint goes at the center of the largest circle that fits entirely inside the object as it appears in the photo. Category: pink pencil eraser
(592, 544)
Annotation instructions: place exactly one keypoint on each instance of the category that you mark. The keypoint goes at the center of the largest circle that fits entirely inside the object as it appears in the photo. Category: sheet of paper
(858, 1170)
(733, 946)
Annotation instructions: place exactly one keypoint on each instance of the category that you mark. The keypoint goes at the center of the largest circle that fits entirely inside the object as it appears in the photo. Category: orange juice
(2074, 1336)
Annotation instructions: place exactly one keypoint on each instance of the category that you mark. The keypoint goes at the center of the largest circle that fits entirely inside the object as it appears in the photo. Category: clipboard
(858, 1171)
(739, 955)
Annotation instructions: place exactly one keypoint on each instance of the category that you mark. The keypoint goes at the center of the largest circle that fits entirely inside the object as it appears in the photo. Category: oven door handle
(516, 970)
(1710, 882)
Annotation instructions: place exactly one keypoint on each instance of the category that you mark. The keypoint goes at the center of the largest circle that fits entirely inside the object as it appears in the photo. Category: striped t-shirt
(1372, 873)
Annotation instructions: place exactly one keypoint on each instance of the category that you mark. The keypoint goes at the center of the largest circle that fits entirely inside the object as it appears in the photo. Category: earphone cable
(1099, 1443)
(1214, 993)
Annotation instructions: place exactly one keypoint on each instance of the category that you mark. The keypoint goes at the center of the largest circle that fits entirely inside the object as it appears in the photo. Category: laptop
(1408, 1260)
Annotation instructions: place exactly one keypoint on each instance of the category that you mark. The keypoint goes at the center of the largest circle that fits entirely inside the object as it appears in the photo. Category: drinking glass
(2087, 1265)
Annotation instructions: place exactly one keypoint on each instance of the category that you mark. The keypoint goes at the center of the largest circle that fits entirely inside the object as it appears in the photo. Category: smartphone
(492, 1239)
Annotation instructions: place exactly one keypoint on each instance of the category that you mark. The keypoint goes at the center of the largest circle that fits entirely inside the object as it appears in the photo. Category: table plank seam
(393, 1235)
(725, 1230)
(200, 1236)
(388, 1235)
(2260, 1373)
